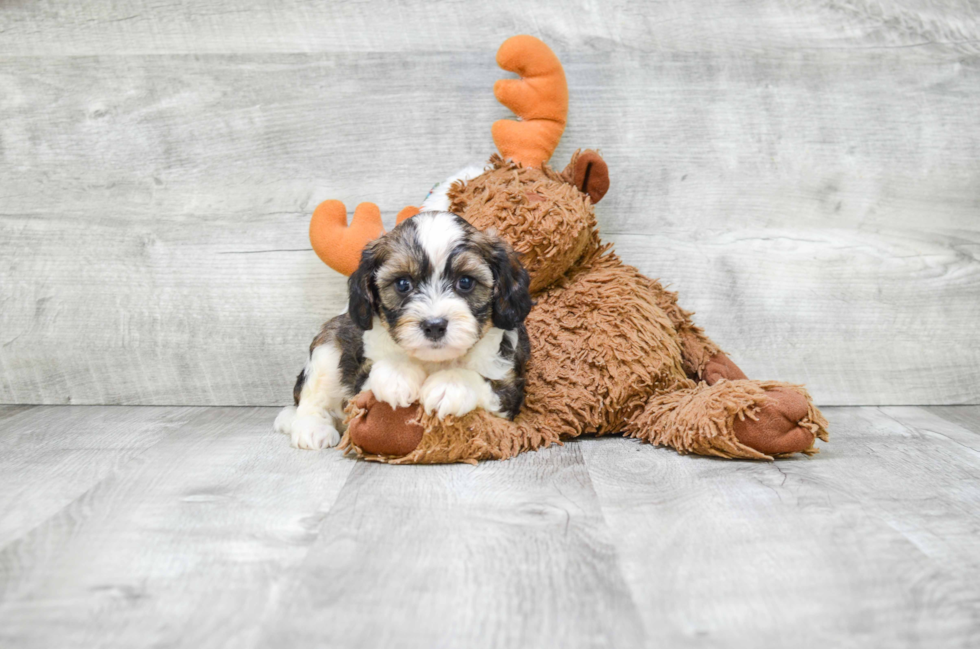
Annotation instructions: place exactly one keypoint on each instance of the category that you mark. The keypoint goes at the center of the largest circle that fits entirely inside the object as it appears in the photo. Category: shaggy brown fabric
(702, 419)
(550, 234)
(696, 348)
(611, 351)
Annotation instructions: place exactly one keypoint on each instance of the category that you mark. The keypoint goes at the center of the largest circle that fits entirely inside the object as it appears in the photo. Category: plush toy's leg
(720, 367)
(732, 419)
(697, 349)
(725, 414)
(409, 436)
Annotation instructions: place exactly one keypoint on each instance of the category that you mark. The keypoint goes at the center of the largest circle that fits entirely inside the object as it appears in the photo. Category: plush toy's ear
(511, 293)
(362, 289)
(589, 172)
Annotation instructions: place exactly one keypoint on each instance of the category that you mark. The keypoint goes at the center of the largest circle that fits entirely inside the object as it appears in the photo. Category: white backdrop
(808, 177)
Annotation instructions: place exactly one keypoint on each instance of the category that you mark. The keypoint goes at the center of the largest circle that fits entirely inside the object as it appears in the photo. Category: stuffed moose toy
(611, 350)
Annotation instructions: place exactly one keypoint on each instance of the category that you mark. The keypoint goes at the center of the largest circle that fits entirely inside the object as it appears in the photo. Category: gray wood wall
(806, 174)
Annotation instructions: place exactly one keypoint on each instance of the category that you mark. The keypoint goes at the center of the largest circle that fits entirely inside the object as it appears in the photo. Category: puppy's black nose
(435, 328)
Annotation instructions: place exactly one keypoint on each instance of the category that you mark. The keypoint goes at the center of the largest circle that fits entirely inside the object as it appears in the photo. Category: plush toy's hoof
(383, 430)
(777, 430)
(721, 367)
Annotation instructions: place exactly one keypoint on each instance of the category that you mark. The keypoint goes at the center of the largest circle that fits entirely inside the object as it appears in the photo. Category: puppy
(436, 315)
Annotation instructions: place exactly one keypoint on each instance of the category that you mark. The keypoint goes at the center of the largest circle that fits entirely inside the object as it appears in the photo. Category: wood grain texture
(871, 543)
(183, 542)
(967, 417)
(6, 412)
(51, 456)
(48, 27)
(504, 554)
(200, 527)
(806, 176)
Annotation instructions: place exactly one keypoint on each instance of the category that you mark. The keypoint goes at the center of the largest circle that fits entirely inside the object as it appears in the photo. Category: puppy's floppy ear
(362, 290)
(511, 294)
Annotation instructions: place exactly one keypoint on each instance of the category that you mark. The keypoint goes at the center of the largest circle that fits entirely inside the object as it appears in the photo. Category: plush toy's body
(612, 352)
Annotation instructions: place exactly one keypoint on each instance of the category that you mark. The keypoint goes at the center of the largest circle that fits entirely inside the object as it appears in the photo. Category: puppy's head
(437, 284)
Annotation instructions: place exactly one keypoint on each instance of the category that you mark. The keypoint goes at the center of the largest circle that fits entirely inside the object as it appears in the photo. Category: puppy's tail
(284, 420)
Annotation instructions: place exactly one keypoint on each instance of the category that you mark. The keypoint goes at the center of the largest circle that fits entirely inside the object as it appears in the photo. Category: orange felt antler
(340, 245)
(539, 98)
(406, 213)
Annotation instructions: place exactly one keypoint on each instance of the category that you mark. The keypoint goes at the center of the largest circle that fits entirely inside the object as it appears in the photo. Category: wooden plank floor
(200, 527)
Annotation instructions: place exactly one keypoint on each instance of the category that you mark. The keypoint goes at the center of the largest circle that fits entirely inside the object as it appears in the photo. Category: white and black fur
(436, 315)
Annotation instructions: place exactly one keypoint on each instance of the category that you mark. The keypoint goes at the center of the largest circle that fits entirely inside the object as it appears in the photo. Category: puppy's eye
(465, 284)
(403, 285)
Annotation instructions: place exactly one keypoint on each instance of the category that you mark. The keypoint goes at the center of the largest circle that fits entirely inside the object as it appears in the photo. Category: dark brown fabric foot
(777, 430)
(721, 367)
(378, 429)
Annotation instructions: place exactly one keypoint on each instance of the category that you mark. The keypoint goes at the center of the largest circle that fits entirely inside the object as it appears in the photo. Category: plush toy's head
(541, 213)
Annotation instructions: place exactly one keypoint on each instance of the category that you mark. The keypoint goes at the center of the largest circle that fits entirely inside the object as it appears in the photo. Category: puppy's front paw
(451, 392)
(284, 420)
(313, 432)
(397, 384)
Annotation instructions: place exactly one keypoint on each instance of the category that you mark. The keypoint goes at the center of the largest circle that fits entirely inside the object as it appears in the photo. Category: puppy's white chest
(451, 387)
(484, 357)
(379, 345)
